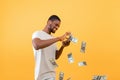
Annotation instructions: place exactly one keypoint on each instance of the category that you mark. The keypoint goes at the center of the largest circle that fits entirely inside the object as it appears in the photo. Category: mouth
(54, 29)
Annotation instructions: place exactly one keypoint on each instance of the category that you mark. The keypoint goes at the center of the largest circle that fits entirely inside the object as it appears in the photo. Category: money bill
(83, 46)
(83, 63)
(73, 39)
(53, 62)
(61, 76)
(70, 58)
(99, 77)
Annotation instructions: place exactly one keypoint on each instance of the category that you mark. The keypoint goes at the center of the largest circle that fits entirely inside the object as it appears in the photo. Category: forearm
(39, 44)
(59, 52)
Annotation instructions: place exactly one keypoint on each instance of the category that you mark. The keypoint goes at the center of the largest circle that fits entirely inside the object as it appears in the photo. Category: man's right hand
(65, 36)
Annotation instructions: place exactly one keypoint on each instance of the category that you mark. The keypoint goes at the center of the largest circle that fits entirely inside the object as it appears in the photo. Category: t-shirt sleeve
(36, 35)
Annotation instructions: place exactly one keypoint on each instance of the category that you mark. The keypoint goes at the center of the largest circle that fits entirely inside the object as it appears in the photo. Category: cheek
(52, 26)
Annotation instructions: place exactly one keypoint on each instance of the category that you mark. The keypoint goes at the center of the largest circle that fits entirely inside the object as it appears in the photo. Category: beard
(52, 29)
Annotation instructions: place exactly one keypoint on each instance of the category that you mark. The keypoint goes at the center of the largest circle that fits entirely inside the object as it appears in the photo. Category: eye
(57, 25)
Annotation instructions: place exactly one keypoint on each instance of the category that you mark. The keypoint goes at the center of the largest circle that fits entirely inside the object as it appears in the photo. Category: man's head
(53, 23)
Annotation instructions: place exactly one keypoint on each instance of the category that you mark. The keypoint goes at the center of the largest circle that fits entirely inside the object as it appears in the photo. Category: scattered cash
(70, 58)
(83, 45)
(53, 62)
(73, 39)
(99, 77)
(83, 63)
(61, 76)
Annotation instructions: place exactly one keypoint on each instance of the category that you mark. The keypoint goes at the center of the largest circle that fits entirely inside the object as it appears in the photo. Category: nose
(56, 27)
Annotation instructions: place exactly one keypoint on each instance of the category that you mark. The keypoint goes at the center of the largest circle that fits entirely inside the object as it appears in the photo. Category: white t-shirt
(43, 67)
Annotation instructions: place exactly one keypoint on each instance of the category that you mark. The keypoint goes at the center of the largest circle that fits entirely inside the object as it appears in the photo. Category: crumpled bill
(99, 77)
(53, 62)
(61, 76)
(83, 46)
(83, 63)
(70, 58)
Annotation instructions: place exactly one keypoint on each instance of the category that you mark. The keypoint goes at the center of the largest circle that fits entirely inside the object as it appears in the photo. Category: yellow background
(95, 21)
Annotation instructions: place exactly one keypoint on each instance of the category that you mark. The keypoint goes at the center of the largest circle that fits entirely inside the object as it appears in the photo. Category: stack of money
(73, 39)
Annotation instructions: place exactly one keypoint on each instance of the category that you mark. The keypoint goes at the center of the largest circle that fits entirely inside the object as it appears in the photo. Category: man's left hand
(66, 43)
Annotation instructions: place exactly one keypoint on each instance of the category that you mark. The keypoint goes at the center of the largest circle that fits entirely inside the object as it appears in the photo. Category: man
(44, 47)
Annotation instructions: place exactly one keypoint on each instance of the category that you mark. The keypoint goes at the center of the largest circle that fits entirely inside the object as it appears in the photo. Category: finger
(68, 33)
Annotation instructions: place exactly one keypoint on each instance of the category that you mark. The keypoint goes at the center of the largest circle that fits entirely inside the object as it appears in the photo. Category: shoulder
(36, 34)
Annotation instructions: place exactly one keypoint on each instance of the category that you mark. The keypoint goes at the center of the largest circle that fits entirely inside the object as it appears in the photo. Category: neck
(46, 29)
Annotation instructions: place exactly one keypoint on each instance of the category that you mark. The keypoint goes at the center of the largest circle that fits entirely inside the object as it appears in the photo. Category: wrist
(63, 46)
(59, 39)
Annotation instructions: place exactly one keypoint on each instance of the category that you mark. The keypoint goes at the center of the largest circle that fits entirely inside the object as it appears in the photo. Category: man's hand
(65, 36)
(66, 43)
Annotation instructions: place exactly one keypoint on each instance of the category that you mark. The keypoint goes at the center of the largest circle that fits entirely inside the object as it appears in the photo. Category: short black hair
(54, 17)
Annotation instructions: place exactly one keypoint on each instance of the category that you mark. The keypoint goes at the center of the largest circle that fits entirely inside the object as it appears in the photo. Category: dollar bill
(70, 58)
(99, 77)
(83, 63)
(73, 39)
(61, 76)
(53, 62)
(83, 45)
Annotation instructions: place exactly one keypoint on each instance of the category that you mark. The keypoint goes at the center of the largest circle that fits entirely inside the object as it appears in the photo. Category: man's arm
(59, 52)
(39, 44)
